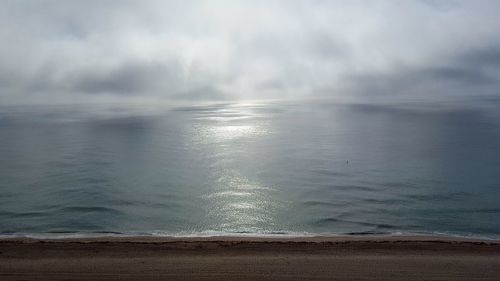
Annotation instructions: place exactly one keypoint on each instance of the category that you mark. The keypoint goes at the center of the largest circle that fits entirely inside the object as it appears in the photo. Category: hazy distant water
(251, 168)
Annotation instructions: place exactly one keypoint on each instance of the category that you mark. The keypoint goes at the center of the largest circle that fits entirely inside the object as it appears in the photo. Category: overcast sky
(73, 51)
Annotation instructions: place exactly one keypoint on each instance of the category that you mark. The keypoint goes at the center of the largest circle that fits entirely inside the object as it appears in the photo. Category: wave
(242, 234)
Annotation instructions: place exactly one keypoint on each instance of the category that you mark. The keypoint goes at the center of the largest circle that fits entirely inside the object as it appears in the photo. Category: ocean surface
(260, 168)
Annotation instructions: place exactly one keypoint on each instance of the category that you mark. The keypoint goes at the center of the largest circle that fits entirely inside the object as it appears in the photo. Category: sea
(255, 168)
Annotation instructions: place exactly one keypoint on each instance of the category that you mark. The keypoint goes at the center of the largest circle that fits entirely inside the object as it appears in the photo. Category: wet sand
(250, 258)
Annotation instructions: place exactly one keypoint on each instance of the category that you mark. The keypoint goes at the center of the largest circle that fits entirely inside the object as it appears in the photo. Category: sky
(192, 51)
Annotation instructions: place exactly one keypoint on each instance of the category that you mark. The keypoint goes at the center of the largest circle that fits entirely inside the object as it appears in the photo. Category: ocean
(256, 168)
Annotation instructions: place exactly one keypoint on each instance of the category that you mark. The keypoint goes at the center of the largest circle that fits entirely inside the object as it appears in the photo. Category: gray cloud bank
(75, 51)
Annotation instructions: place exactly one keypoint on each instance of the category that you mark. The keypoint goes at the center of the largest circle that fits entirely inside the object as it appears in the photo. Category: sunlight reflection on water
(238, 203)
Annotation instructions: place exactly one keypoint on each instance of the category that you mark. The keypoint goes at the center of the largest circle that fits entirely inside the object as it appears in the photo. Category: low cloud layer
(75, 51)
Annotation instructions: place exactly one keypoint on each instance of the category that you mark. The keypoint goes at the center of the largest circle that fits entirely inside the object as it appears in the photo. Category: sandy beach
(247, 258)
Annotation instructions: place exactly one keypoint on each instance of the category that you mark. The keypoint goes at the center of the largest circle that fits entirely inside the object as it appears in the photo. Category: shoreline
(250, 258)
(251, 238)
(206, 236)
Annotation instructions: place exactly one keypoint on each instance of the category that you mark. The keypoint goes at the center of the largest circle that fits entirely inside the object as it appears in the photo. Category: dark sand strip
(236, 258)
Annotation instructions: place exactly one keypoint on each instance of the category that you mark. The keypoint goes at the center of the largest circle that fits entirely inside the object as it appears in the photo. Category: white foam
(211, 233)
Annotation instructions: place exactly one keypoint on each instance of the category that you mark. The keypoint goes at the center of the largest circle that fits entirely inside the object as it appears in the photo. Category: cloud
(472, 73)
(72, 51)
